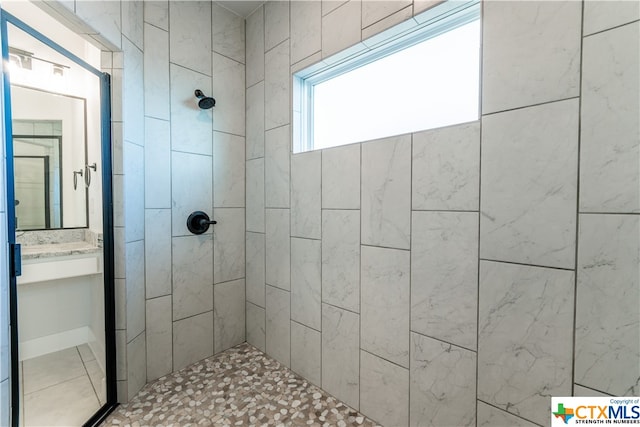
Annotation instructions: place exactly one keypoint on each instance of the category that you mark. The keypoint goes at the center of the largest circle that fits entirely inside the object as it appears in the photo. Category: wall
(451, 268)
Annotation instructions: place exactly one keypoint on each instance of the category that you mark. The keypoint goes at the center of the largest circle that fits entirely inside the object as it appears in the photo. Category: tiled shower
(455, 276)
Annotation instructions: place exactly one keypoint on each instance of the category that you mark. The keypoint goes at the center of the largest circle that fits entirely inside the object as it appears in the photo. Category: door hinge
(16, 259)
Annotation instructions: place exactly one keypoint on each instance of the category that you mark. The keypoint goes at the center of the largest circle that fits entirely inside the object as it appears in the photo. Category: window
(422, 74)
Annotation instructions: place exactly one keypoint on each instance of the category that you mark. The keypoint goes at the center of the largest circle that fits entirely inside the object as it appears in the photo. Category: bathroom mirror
(51, 173)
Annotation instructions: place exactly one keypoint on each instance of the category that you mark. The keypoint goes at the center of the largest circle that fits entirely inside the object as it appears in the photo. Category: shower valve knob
(198, 222)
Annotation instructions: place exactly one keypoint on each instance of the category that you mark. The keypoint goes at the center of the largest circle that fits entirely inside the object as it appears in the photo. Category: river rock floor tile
(238, 387)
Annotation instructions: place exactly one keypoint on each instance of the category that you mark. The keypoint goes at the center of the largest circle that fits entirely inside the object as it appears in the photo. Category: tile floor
(240, 386)
(62, 388)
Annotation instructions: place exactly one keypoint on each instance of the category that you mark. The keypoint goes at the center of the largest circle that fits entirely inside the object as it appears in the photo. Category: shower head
(205, 102)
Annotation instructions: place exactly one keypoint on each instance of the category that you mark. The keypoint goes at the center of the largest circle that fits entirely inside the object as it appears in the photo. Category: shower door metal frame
(107, 220)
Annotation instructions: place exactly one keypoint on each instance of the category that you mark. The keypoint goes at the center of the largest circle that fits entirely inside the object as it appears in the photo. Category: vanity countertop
(58, 249)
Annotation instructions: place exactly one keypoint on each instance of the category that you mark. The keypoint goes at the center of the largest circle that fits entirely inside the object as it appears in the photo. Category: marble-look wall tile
(607, 310)
(305, 282)
(390, 21)
(305, 352)
(157, 252)
(159, 337)
(276, 164)
(330, 5)
(341, 28)
(375, 10)
(136, 364)
(530, 53)
(104, 17)
(121, 355)
(386, 192)
(192, 275)
(190, 35)
(385, 303)
(156, 72)
(255, 121)
(341, 354)
(119, 252)
(306, 195)
(191, 127)
(192, 340)
(610, 125)
(390, 408)
(228, 33)
(5, 399)
(255, 47)
(228, 91)
(157, 155)
(228, 244)
(341, 258)
(191, 175)
(156, 12)
(581, 391)
(255, 195)
(306, 20)
(490, 416)
(133, 192)
(341, 177)
(603, 15)
(526, 326)
(135, 289)
(133, 22)
(276, 85)
(444, 276)
(446, 168)
(255, 268)
(276, 23)
(256, 326)
(278, 248)
(228, 315)
(443, 384)
(278, 325)
(228, 170)
(529, 188)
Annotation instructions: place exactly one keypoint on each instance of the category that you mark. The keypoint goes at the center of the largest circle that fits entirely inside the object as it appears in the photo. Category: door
(60, 225)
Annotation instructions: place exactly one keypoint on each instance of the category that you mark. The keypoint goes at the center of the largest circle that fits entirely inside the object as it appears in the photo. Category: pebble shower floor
(238, 387)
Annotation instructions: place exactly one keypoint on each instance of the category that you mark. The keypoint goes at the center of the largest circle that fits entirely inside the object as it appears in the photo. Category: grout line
(609, 213)
(386, 360)
(305, 326)
(155, 26)
(189, 317)
(446, 210)
(186, 68)
(510, 413)
(480, 122)
(382, 247)
(607, 29)
(341, 308)
(529, 106)
(411, 241)
(528, 265)
(591, 388)
(360, 272)
(443, 341)
(226, 133)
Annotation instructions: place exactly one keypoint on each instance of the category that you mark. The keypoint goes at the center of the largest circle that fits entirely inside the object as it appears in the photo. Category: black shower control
(198, 222)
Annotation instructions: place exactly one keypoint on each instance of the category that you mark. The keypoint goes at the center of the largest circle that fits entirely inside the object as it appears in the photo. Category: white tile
(228, 91)
(157, 252)
(228, 171)
(420, 6)
(228, 33)
(341, 258)
(531, 53)
(256, 326)
(384, 303)
(157, 157)
(398, 17)
(489, 416)
(156, 72)
(329, 5)
(190, 35)
(192, 275)
(607, 312)
(133, 93)
(228, 315)
(121, 355)
(192, 339)
(375, 10)
(341, 28)
(120, 291)
(255, 268)
(276, 23)
(602, 15)
(278, 248)
(51, 369)
(255, 121)
(135, 289)
(526, 326)
(121, 391)
(4, 402)
(116, 95)
(305, 29)
(341, 354)
(119, 253)
(609, 143)
(386, 192)
(136, 364)
(277, 81)
(159, 337)
(191, 127)
(529, 188)
(305, 352)
(117, 163)
(156, 12)
(446, 168)
(442, 384)
(255, 47)
(444, 276)
(228, 244)
(390, 408)
(191, 177)
(104, 17)
(278, 340)
(133, 192)
(305, 282)
(581, 391)
(341, 177)
(255, 195)
(306, 176)
(276, 164)
(133, 22)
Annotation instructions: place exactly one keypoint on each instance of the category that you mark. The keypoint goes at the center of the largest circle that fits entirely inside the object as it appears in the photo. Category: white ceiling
(241, 7)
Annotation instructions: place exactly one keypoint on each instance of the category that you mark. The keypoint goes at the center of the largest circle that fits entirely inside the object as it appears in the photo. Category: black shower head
(205, 102)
